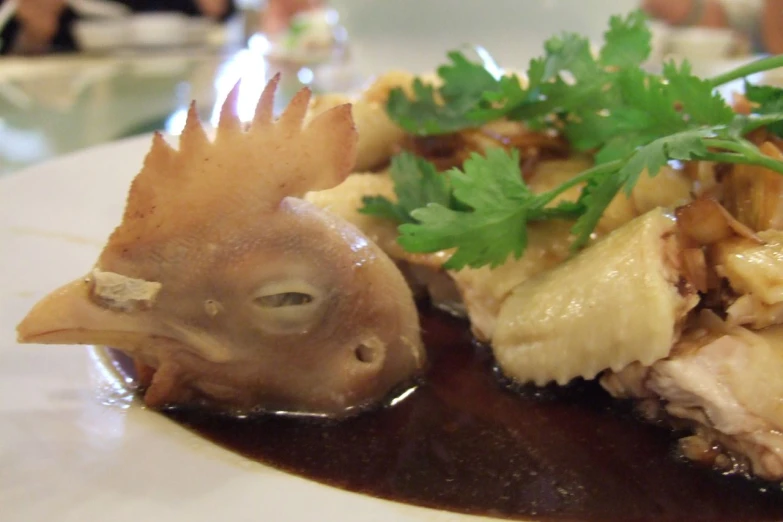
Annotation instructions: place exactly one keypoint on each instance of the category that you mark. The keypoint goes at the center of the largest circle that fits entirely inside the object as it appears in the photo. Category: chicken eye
(284, 299)
(286, 307)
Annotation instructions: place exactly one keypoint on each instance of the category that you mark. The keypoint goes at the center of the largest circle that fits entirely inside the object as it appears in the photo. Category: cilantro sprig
(448, 108)
(416, 184)
(769, 100)
(489, 220)
(634, 121)
(469, 96)
(485, 218)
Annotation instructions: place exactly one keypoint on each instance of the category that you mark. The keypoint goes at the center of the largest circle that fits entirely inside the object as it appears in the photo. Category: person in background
(278, 13)
(760, 21)
(41, 26)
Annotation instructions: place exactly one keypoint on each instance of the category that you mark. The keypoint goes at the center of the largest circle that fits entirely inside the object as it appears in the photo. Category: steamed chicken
(228, 289)
(637, 309)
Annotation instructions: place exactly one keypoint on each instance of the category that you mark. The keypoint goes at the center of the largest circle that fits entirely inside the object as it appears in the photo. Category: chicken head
(231, 290)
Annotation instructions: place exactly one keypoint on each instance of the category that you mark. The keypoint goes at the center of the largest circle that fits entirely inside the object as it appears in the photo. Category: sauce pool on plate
(464, 442)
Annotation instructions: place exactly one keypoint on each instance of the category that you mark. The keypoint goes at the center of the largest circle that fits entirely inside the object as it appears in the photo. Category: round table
(54, 105)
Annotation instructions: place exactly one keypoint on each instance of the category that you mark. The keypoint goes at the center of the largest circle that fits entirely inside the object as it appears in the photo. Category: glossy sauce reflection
(463, 442)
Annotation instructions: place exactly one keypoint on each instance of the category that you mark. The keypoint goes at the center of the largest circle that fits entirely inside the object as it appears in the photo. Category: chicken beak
(69, 316)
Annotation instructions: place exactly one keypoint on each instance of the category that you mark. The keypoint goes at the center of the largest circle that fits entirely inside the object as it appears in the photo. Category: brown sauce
(463, 442)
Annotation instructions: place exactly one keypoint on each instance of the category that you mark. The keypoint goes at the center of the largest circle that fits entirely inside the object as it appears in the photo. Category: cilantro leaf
(646, 107)
(569, 52)
(445, 109)
(481, 238)
(767, 96)
(628, 41)
(490, 221)
(547, 91)
(416, 184)
(493, 222)
(465, 83)
(490, 179)
(424, 114)
(695, 97)
(382, 207)
(769, 100)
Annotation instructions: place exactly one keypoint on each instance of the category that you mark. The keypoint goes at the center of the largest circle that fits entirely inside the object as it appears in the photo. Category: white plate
(74, 447)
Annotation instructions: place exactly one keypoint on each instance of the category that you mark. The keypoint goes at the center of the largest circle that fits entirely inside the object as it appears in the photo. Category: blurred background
(77, 73)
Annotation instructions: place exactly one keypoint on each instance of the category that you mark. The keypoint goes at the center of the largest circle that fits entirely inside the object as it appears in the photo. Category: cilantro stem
(747, 151)
(584, 176)
(764, 64)
(760, 160)
(733, 146)
(756, 121)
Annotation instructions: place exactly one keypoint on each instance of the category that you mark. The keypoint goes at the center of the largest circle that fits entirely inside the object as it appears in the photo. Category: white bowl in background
(164, 29)
(96, 35)
(701, 45)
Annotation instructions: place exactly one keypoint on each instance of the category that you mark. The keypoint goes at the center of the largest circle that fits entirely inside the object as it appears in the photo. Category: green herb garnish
(416, 184)
(493, 206)
(470, 96)
(769, 100)
(634, 121)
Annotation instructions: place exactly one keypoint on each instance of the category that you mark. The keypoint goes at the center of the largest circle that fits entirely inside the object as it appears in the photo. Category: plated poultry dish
(591, 221)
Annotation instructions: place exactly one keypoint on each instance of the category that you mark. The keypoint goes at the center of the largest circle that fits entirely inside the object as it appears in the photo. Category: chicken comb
(246, 170)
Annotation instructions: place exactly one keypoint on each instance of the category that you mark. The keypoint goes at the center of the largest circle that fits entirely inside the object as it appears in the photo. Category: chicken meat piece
(621, 300)
(345, 200)
(754, 194)
(484, 290)
(670, 188)
(379, 136)
(752, 267)
(723, 382)
(750, 311)
(235, 293)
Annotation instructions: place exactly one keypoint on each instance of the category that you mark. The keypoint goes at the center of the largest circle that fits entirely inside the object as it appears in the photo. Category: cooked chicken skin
(345, 200)
(234, 291)
(669, 188)
(484, 290)
(619, 301)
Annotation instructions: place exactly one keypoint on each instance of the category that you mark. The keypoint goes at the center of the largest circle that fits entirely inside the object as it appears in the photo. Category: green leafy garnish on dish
(604, 103)
(416, 184)
(495, 206)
